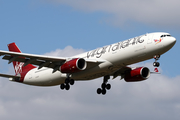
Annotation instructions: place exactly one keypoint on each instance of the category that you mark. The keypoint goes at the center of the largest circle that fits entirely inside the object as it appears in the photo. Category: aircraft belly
(95, 72)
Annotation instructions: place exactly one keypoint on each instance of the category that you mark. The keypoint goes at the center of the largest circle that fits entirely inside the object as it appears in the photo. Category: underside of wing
(121, 72)
(132, 74)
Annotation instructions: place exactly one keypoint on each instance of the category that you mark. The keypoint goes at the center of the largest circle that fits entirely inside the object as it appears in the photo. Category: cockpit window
(165, 35)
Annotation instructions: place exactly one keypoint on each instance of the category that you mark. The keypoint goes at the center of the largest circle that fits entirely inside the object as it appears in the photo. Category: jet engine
(138, 74)
(73, 65)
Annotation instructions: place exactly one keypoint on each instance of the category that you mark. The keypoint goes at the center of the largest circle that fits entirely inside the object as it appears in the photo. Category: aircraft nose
(173, 40)
(170, 41)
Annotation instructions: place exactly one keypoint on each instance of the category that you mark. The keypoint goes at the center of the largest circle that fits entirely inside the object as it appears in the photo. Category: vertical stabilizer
(18, 66)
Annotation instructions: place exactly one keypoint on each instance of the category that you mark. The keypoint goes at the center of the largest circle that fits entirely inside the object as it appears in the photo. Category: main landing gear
(156, 64)
(68, 82)
(104, 86)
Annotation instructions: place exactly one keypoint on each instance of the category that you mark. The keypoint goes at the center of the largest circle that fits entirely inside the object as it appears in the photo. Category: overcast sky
(69, 27)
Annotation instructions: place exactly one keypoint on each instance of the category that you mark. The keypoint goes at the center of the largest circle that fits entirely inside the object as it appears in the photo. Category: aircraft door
(150, 38)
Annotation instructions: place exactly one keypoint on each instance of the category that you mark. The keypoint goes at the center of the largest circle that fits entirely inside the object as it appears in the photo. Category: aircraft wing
(121, 72)
(41, 60)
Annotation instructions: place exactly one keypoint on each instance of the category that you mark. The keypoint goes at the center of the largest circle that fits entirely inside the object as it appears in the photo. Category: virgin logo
(18, 67)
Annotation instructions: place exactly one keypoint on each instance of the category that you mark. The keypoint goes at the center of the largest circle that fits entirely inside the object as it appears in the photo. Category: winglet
(13, 47)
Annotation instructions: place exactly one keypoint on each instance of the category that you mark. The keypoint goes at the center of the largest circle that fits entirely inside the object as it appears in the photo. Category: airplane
(108, 61)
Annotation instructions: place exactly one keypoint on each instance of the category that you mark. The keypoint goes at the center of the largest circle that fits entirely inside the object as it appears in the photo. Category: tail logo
(18, 67)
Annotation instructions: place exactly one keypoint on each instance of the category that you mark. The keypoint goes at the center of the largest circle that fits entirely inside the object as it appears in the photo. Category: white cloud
(66, 52)
(162, 13)
(156, 98)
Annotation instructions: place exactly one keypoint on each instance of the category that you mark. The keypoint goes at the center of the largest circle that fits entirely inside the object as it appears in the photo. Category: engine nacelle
(138, 74)
(73, 65)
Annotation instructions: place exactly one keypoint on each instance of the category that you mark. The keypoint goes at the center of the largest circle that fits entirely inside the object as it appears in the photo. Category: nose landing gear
(156, 64)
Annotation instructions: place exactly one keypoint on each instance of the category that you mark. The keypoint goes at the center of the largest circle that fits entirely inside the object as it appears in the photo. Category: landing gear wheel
(103, 85)
(62, 86)
(67, 87)
(103, 91)
(99, 91)
(108, 86)
(67, 80)
(156, 64)
(71, 82)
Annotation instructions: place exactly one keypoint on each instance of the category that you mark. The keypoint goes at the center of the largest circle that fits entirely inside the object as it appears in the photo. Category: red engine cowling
(138, 74)
(73, 66)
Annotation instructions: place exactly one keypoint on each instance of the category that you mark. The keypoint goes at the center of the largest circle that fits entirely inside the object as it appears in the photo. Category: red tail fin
(18, 66)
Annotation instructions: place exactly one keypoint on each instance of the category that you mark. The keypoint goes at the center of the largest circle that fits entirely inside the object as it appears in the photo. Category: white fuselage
(116, 56)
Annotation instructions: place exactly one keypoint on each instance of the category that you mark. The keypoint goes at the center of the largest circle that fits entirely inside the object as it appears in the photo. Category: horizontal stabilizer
(8, 76)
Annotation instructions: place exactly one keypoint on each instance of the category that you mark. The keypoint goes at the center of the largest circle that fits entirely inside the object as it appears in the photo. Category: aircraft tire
(103, 91)
(67, 87)
(99, 91)
(66, 80)
(156, 64)
(108, 86)
(103, 85)
(71, 82)
(62, 86)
